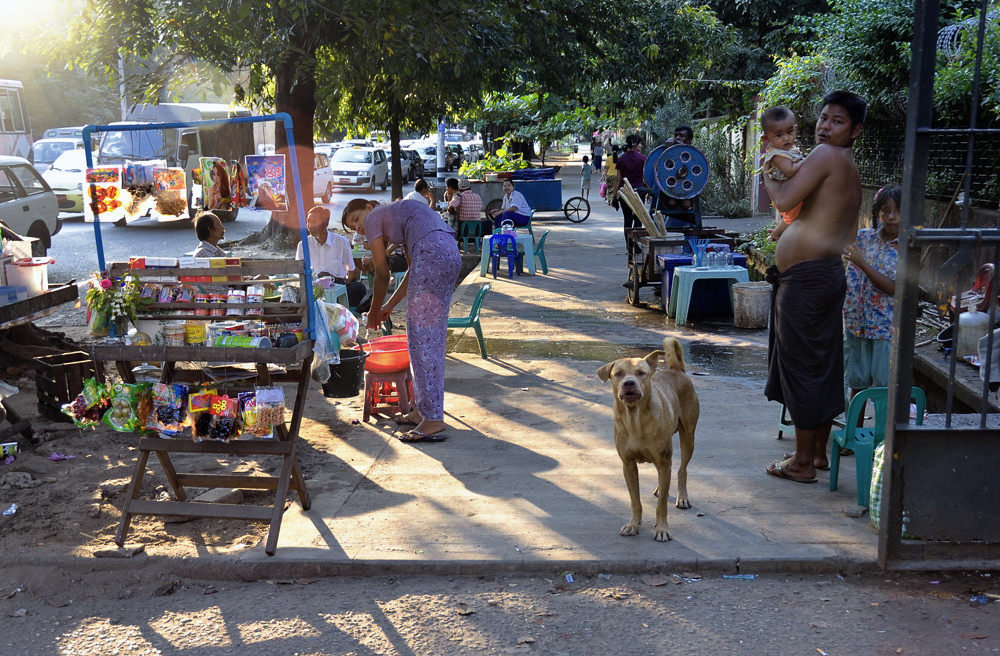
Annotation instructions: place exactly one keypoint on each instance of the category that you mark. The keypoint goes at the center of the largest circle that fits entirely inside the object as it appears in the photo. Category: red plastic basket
(387, 354)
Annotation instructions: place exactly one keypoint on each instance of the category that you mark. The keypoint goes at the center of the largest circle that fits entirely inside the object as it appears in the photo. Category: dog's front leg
(631, 471)
(660, 533)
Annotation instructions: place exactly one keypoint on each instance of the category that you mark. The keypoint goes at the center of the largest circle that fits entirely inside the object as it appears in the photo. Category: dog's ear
(604, 373)
(652, 358)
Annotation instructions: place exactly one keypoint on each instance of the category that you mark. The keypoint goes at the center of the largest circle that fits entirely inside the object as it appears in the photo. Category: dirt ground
(149, 610)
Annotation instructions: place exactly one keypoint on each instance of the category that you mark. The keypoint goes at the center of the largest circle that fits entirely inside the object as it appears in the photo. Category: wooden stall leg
(171, 474)
(133, 492)
(279, 500)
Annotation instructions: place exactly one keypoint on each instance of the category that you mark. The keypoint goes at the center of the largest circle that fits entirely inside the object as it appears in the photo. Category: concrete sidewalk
(529, 478)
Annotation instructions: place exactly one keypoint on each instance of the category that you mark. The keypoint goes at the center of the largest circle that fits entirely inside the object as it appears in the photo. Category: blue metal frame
(283, 117)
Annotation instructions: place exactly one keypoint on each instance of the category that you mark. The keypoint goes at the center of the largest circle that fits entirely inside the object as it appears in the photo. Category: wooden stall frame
(297, 359)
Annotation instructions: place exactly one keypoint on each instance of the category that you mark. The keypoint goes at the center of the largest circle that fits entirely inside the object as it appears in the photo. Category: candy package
(169, 415)
(201, 420)
(130, 405)
(253, 428)
(270, 406)
(89, 406)
(225, 413)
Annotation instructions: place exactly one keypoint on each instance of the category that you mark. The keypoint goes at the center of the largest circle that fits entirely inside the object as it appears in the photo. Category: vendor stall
(218, 358)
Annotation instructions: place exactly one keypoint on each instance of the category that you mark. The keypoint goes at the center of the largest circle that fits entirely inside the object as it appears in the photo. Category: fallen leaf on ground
(463, 609)
(655, 580)
(526, 640)
(975, 636)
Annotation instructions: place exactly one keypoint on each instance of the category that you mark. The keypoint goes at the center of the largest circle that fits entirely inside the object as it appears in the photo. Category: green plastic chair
(470, 231)
(538, 253)
(472, 321)
(864, 441)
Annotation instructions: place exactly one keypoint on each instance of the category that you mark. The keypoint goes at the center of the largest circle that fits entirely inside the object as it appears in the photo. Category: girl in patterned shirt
(871, 285)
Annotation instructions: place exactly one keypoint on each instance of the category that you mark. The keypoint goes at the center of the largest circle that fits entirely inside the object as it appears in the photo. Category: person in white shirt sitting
(330, 254)
(513, 208)
(421, 193)
(210, 231)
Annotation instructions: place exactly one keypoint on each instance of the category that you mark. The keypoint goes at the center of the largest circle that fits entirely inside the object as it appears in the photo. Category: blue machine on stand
(676, 176)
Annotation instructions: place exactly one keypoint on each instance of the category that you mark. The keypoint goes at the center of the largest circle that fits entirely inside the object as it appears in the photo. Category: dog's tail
(673, 353)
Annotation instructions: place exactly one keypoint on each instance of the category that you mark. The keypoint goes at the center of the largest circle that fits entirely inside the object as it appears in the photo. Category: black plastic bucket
(347, 377)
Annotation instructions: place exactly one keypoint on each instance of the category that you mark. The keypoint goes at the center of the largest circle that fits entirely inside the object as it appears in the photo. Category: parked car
(65, 176)
(45, 151)
(27, 204)
(416, 163)
(453, 157)
(405, 167)
(358, 166)
(428, 155)
(473, 153)
(322, 177)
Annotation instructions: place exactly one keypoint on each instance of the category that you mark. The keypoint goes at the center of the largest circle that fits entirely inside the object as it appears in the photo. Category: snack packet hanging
(198, 414)
(130, 405)
(169, 415)
(270, 406)
(253, 428)
(89, 406)
(225, 412)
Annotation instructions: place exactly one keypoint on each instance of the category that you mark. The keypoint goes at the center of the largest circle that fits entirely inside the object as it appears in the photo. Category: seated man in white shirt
(421, 192)
(330, 254)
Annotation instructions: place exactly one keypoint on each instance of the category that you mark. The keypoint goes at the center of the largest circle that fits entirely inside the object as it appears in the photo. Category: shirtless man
(806, 359)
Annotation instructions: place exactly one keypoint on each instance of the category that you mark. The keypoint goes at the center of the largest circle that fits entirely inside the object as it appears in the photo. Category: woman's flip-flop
(774, 469)
(417, 436)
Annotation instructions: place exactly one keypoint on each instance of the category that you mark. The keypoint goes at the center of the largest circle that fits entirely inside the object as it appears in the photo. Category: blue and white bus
(15, 126)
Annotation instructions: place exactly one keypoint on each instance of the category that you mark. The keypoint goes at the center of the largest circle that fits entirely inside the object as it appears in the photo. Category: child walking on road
(585, 176)
(871, 285)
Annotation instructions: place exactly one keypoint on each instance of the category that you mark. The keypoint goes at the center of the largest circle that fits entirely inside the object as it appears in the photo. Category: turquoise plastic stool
(863, 441)
(683, 285)
(501, 245)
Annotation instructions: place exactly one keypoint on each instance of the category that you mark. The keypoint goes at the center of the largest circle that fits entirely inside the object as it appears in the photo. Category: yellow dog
(651, 404)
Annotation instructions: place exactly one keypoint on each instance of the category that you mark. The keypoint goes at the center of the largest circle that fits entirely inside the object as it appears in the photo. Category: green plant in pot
(489, 164)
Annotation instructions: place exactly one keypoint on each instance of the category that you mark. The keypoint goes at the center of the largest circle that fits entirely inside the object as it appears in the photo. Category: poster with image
(266, 181)
(170, 191)
(103, 197)
(215, 196)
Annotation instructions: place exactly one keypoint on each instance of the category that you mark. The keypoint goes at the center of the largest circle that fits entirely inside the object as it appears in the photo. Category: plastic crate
(59, 379)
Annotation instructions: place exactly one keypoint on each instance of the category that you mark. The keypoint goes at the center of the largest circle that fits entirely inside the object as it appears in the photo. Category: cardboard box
(195, 263)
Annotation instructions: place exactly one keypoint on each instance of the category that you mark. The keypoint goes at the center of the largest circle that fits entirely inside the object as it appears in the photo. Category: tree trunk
(295, 94)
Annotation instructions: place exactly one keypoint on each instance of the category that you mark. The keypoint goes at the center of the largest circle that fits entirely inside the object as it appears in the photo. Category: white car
(428, 154)
(322, 177)
(45, 151)
(27, 204)
(359, 166)
(65, 176)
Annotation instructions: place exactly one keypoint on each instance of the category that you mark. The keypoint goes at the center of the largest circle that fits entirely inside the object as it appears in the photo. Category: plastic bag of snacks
(130, 405)
(225, 412)
(169, 415)
(270, 406)
(253, 428)
(198, 413)
(89, 406)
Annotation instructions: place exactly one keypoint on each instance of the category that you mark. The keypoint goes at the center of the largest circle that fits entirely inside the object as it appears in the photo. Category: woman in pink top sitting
(434, 262)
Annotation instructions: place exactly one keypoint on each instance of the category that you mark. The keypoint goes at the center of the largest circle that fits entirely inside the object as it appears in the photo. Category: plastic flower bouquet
(113, 304)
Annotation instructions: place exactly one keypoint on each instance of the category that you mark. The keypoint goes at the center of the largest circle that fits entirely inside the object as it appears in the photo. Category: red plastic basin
(387, 354)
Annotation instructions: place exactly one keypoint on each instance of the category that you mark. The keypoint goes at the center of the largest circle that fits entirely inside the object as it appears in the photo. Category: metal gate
(941, 479)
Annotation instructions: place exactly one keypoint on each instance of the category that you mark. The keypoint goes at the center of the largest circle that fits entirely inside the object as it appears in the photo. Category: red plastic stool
(388, 392)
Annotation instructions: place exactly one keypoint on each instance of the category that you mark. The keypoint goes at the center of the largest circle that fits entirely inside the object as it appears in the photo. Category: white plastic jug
(971, 326)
